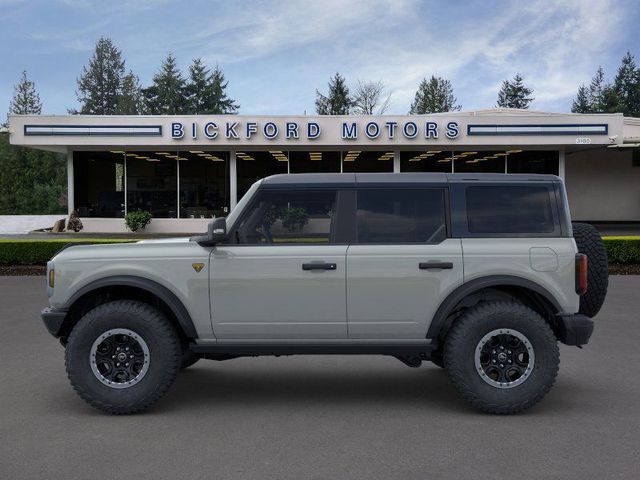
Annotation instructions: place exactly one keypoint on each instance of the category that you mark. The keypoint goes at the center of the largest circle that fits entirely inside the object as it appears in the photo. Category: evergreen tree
(627, 86)
(167, 96)
(31, 181)
(206, 92)
(434, 95)
(100, 84)
(222, 103)
(609, 101)
(514, 93)
(26, 100)
(581, 103)
(130, 100)
(337, 101)
(596, 88)
(197, 88)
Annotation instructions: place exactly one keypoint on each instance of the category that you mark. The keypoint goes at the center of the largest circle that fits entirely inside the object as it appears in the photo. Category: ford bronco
(480, 274)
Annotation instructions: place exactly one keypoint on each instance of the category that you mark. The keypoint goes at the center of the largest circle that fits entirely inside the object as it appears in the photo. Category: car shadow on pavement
(206, 385)
(232, 388)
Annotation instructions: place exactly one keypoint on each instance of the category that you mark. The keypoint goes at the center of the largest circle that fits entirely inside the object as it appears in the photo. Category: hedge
(623, 249)
(34, 252)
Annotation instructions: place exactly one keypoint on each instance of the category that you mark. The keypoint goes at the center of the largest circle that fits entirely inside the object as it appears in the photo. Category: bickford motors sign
(293, 130)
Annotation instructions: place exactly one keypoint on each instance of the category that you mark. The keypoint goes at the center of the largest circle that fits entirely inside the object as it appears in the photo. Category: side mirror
(217, 230)
(216, 233)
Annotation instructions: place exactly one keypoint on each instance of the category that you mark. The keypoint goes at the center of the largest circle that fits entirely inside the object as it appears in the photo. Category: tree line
(35, 182)
(106, 88)
(622, 95)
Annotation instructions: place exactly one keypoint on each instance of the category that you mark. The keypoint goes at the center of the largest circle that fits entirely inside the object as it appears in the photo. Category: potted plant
(137, 220)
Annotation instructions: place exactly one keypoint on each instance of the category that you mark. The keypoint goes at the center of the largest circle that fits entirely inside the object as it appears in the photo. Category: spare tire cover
(590, 243)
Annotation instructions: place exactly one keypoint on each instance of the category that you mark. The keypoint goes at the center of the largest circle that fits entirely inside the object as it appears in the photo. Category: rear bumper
(53, 319)
(574, 329)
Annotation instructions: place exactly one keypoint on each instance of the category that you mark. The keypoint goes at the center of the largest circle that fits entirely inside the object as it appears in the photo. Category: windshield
(233, 215)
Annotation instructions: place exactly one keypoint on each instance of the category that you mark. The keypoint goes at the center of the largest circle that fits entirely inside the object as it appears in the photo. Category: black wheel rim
(119, 358)
(504, 358)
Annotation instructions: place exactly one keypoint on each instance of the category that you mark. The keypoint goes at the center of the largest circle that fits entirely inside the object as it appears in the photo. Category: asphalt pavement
(319, 417)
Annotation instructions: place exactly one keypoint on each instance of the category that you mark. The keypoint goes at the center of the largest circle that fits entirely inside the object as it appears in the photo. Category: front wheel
(122, 356)
(502, 356)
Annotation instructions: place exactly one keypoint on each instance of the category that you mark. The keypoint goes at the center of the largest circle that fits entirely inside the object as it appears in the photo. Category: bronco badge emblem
(197, 267)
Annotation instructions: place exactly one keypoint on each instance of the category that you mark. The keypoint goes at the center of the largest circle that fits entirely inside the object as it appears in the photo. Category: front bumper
(54, 320)
(574, 329)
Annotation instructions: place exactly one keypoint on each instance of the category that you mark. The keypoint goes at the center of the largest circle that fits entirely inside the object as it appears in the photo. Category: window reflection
(204, 184)
(99, 184)
(152, 183)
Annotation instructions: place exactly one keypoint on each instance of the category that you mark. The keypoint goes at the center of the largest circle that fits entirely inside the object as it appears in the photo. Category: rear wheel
(502, 356)
(590, 243)
(122, 356)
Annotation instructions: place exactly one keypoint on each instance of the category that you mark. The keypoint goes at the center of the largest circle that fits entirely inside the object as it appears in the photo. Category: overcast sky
(276, 53)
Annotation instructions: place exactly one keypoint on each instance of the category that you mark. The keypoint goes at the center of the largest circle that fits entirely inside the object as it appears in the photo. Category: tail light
(581, 273)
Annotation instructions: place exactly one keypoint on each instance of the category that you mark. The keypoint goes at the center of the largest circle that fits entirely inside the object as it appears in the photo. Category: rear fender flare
(439, 322)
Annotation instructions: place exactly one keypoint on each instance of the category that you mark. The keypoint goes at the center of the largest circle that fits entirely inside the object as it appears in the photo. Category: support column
(233, 180)
(70, 179)
(561, 165)
(177, 188)
(396, 161)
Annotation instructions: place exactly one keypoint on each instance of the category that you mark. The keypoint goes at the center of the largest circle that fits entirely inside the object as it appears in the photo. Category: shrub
(622, 249)
(137, 220)
(34, 252)
(294, 218)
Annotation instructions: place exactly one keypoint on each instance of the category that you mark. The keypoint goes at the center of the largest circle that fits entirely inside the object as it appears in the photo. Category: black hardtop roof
(354, 179)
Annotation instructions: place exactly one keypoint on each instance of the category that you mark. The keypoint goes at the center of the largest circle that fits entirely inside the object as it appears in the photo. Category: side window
(401, 216)
(288, 216)
(509, 209)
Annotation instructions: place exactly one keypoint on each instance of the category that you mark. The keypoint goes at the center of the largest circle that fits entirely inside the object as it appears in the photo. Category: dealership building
(186, 170)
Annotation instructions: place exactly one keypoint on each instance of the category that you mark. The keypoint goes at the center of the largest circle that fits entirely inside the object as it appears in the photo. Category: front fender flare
(160, 291)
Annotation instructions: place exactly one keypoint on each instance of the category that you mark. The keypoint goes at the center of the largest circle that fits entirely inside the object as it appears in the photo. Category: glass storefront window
(533, 161)
(314, 162)
(426, 161)
(252, 166)
(152, 183)
(99, 184)
(367, 161)
(204, 184)
(196, 183)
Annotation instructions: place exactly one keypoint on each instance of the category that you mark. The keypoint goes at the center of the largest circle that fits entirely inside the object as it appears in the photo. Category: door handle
(435, 265)
(319, 266)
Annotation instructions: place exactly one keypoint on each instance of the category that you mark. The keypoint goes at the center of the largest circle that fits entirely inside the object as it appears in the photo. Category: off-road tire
(590, 243)
(164, 351)
(463, 340)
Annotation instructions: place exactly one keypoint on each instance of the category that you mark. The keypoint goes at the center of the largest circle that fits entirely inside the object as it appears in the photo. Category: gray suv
(479, 274)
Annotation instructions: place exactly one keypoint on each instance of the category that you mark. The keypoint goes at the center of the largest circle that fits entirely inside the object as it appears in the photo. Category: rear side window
(509, 209)
(401, 216)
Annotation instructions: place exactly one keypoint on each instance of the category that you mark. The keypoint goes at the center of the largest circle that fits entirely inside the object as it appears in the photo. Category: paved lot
(319, 417)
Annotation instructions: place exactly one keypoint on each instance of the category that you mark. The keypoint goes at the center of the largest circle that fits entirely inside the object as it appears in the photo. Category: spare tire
(590, 243)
